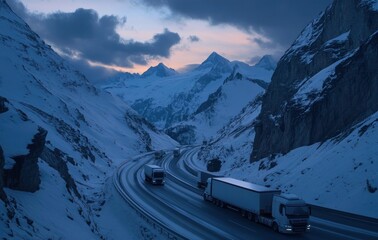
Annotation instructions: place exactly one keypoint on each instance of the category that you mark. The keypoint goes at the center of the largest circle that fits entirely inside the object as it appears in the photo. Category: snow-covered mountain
(60, 139)
(212, 115)
(317, 129)
(193, 106)
(267, 62)
(159, 70)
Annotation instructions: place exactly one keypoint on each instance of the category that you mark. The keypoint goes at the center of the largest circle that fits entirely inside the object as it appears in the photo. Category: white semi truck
(154, 174)
(283, 212)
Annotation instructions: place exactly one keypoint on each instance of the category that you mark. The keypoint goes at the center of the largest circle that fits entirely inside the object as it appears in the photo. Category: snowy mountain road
(178, 206)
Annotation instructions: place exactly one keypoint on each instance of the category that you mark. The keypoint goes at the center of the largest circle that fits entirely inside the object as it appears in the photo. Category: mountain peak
(267, 62)
(214, 60)
(159, 70)
(214, 57)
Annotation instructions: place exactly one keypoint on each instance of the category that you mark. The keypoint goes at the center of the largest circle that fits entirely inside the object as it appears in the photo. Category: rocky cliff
(24, 175)
(324, 83)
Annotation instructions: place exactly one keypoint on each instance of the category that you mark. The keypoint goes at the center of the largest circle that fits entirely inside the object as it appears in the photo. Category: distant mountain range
(194, 105)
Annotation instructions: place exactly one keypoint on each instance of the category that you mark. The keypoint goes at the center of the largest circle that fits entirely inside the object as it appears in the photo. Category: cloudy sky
(131, 35)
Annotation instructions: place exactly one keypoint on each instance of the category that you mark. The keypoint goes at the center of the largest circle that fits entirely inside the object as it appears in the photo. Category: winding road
(178, 209)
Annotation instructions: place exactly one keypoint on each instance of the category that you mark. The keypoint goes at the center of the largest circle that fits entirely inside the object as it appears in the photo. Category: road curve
(178, 206)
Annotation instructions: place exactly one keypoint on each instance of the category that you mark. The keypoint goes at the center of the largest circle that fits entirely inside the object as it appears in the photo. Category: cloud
(193, 38)
(263, 43)
(188, 68)
(279, 20)
(254, 60)
(86, 35)
(92, 73)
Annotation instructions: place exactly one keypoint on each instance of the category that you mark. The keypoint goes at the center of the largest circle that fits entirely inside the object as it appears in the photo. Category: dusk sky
(132, 35)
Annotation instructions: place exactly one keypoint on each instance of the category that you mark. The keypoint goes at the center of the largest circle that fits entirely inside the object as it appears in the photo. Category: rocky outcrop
(345, 36)
(3, 108)
(24, 175)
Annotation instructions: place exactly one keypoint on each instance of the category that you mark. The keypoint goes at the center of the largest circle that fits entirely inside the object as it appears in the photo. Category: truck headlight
(308, 227)
(288, 228)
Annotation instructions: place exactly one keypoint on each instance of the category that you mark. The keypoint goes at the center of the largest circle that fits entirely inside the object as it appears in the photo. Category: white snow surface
(341, 38)
(313, 86)
(16, 135)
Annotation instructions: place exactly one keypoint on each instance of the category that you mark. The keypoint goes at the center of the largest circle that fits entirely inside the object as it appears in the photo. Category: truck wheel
(275, 227)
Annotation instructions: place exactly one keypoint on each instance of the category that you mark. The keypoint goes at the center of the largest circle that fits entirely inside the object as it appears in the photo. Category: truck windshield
(159, 174)
(297, 211)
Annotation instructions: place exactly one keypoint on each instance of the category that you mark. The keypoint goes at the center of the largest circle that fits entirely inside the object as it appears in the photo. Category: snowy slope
(88, 133)
(216, 112)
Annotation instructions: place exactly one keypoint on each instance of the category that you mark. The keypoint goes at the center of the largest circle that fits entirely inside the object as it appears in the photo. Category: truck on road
(159, 154)
(202, 177)
(176, 152)
(154, 174)
(284, 213)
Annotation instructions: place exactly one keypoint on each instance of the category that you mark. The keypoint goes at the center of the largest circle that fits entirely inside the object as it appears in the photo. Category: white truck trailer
(154, 174)
(202, 177)
(283, 212)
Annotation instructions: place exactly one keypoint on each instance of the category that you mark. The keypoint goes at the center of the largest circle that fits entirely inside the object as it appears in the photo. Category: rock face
(3, 108)
(24, 175)
(325, 82)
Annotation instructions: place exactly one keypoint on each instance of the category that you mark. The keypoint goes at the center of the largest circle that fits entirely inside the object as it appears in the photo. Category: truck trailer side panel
(247, 196)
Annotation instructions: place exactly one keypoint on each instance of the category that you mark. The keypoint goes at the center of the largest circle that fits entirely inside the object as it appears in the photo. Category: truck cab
(154, 174)
(176, 153)
(290, 213)
(159, 154)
